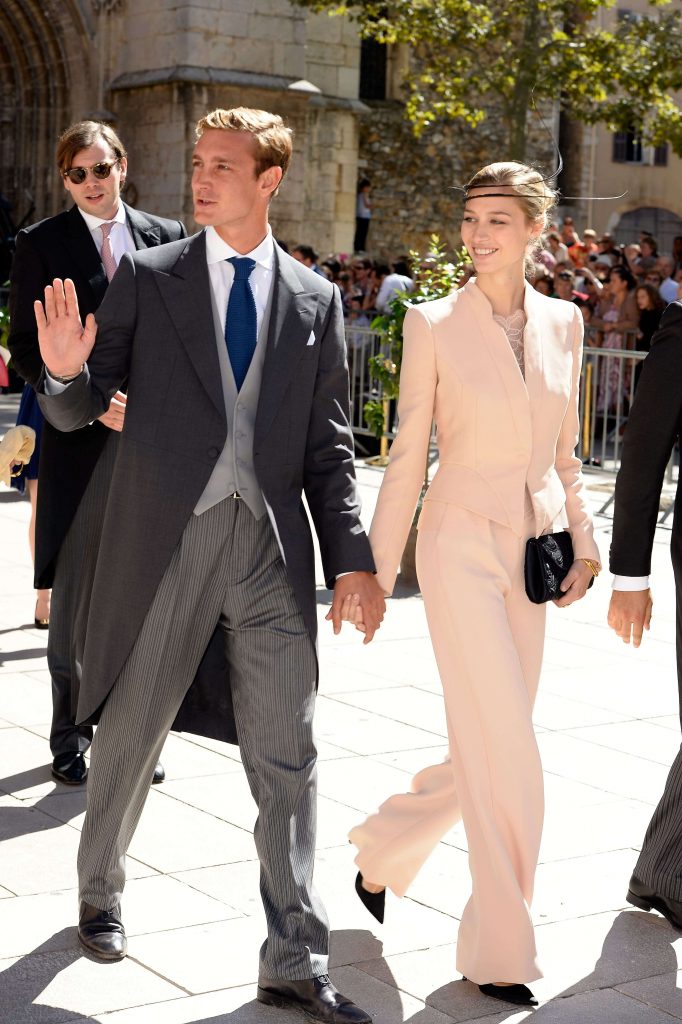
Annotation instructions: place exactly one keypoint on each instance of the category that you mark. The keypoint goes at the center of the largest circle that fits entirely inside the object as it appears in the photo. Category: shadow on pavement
(26, 655)
(22, 820)
(637, 946)
(22, 983)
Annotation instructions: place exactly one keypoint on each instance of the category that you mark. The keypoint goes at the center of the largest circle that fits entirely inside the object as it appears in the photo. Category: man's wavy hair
(272, 139)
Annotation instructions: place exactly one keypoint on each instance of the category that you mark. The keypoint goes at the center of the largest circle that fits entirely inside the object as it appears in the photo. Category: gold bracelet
(592, 565)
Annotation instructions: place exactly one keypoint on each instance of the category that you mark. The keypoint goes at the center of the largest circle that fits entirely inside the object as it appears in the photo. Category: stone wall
(412, 178)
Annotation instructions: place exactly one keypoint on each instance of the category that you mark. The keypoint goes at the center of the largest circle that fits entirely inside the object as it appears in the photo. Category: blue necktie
(241, 321)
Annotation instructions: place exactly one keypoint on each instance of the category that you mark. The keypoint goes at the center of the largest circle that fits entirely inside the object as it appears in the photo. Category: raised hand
(64, 343)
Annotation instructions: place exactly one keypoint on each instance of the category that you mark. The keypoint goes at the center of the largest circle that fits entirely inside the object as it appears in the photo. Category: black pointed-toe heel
(373, 901)
(520, 995)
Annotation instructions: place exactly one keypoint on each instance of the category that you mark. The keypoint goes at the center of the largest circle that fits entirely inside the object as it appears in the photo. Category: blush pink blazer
(497, 432)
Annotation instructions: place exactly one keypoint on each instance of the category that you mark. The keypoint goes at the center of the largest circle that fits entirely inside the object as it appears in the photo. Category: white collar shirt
(120, 237)
(221, 273)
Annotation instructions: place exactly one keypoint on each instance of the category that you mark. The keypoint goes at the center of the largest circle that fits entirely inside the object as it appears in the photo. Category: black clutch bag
(548, 559)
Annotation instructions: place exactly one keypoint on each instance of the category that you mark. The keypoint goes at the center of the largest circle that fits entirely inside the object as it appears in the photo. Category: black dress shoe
(70, 769)
(101, 932)
(159, 774)
(374, 901)
(640, 895)
(317, 997)
(521, 995)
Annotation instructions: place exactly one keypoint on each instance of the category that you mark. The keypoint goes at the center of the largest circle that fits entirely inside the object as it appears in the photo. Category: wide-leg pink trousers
(488, 639)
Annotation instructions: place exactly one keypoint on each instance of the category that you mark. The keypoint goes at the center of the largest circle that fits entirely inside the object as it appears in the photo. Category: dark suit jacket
(62, 246)
(653, 427)
(156, 329)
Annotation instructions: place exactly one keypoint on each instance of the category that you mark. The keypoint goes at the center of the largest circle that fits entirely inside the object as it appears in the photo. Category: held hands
(630, 614)
(64, 343)
(359, 599)
(575, 585)
(115, 414)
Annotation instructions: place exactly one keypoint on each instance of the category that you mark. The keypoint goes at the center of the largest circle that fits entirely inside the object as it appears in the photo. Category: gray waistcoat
(234, 469)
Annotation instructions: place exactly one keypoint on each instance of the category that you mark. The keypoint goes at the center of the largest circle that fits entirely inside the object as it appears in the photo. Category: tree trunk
(525, 80)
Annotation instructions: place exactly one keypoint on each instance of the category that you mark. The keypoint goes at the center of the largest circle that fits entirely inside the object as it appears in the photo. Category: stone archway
(46, 56)
(662, 223)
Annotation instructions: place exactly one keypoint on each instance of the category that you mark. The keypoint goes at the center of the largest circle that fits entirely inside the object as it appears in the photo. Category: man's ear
(270, 179)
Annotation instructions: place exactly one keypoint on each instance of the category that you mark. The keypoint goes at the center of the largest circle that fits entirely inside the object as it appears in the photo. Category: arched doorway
(663, 224)
(45, 69)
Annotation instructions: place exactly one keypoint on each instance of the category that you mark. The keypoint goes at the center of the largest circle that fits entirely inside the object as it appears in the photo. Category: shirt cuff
(630, 583)
(54, 387)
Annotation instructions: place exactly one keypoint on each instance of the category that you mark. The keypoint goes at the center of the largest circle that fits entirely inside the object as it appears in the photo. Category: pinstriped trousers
(660, 862)
(74, 573)
(227, 568)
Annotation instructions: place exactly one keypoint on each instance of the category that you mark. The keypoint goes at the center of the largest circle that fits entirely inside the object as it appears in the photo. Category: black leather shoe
(375, 902)
(317, 997)
(159, 774)
(521, 995)
(70, 769)
(101, 932)
(640, 895)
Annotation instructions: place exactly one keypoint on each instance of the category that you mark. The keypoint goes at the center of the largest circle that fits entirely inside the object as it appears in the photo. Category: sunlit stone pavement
(607, 719)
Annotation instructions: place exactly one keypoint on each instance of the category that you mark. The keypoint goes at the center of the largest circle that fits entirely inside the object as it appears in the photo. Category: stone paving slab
(608, 726)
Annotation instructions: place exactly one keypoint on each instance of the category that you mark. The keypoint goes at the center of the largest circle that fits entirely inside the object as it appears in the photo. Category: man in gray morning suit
(238, 403)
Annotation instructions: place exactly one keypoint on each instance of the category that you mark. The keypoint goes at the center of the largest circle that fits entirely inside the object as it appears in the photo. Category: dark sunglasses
(102, 170)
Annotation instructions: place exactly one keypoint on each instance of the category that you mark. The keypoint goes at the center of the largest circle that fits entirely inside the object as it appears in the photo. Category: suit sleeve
(405, 473)
(329, 471)
(89, 395)
(653, 427)
(567, 463)
(28, 279)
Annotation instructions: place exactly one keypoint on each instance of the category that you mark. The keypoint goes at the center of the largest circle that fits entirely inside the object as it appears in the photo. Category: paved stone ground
(608, 727)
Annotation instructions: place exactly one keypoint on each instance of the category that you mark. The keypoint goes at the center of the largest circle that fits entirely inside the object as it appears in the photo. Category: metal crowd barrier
(607, 387)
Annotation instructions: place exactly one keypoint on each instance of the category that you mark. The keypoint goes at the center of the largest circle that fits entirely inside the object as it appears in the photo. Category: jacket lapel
(501, 354)
(83, 252)
(291, 321)
(186, 292)
(145, 233)
(533, 356)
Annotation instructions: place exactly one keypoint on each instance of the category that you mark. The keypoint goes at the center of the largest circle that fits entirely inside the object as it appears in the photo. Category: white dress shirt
(120, 236)
(221, 273)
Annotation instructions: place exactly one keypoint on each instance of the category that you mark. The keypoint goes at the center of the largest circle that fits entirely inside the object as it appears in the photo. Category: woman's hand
(575, 584)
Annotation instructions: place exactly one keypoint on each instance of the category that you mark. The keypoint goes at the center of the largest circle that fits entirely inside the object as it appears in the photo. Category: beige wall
(645, 185)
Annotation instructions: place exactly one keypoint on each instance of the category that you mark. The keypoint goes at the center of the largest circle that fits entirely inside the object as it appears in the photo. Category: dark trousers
(361, 231)
(74, 573)
(660, 862)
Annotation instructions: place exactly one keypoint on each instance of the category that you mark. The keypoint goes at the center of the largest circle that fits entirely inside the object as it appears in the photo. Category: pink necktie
(108, 260)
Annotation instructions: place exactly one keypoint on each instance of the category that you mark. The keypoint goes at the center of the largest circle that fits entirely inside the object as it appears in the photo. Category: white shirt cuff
(630, 583)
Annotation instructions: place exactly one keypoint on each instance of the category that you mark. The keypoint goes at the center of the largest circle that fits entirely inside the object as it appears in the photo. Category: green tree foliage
(474, 55)
(436, 275)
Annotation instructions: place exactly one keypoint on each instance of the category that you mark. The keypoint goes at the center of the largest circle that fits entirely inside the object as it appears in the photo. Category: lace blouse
(514, 326)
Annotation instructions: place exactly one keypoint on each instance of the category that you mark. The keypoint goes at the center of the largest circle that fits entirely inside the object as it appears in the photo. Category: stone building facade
(153, 67)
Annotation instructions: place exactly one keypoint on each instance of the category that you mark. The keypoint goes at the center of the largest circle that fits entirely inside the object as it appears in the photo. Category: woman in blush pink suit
(497, 364)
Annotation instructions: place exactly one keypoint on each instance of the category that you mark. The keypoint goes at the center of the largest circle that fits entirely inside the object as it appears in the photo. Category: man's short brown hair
(82, 135)
(272, 139)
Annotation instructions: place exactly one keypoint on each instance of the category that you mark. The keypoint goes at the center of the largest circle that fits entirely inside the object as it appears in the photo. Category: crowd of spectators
(621, 289)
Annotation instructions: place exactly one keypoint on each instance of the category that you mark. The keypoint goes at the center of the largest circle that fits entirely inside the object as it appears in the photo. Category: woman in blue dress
(30, 416)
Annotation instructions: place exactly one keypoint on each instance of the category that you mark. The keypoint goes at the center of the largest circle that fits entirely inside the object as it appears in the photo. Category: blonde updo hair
(535, 196)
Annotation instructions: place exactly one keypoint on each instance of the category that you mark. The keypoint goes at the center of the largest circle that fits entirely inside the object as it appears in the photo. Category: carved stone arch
(47, 77)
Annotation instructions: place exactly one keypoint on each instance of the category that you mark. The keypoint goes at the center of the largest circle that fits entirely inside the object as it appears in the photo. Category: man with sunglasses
(85, 244)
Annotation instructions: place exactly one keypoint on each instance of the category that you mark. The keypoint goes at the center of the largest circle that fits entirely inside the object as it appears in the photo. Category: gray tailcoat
(156, 328)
